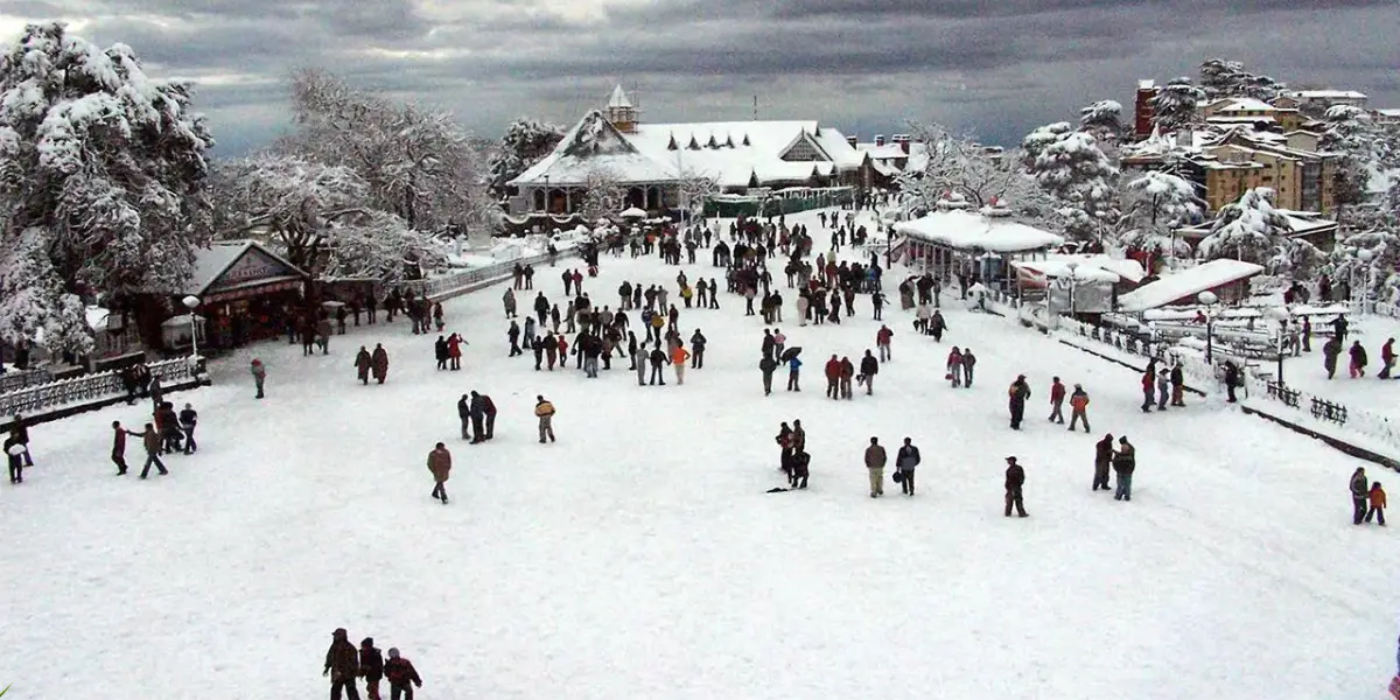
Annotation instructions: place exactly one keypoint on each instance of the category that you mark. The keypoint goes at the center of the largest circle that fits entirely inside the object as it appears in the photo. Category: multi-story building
(1142, 108)
(1244, 111)
(1321, 98)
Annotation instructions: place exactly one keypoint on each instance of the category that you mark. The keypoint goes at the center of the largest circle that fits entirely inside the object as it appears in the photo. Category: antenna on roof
(755, 107)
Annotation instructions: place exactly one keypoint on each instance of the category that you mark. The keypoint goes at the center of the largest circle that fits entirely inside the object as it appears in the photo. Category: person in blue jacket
(794, 367)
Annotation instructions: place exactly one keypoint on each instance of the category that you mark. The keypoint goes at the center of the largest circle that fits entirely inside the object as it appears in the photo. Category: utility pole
(755, 107)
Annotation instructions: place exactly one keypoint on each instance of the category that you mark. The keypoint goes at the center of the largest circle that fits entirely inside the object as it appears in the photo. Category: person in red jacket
(882, 341)
(400, 673)
(1387, 358)
(1057, 399)
(1149, 380)
(833, 378)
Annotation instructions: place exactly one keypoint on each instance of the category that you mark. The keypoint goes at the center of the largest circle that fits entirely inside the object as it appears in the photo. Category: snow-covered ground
(640, 557)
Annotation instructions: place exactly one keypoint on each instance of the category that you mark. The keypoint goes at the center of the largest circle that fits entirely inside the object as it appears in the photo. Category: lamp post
(1072, 265)
(1366, 256)
(1208, 299)
(191, 302)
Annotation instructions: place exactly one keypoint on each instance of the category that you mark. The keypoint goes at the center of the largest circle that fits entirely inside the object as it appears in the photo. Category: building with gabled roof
(651, 161)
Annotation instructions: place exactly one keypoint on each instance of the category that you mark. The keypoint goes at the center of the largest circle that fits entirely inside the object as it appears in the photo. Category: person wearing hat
(342, 665)
(1015, 479)
(400, 673)
(1124, 462)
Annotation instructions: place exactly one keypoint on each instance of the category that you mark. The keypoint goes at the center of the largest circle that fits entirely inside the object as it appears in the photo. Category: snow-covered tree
(416, 163)
(102, 181)
(1353, 137)
(1221, 79)
(317, 216)
(602, 197)
(959, 164)
(1083, 180)
(526, 142)
(1103, 119)
(1174, 105)
(1158, 203)
(1043, 136)
(695, 187)
(1254, 231)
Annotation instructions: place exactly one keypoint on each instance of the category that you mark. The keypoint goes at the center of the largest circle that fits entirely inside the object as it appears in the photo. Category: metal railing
(91, 387)
(439, 286)
(16, 380)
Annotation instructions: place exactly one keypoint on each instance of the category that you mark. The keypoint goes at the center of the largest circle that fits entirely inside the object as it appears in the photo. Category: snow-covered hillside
(641, 557)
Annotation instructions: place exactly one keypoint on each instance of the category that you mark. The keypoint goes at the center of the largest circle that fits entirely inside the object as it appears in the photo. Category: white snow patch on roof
(1187, 283)
(965, 231)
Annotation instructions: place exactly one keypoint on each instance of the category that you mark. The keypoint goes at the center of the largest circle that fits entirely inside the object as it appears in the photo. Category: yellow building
(1302, 180)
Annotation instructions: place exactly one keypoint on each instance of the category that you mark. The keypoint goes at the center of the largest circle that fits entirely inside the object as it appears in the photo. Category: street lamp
(1365, 255)
(192, 302)
(1208, 300)
(1072, 265)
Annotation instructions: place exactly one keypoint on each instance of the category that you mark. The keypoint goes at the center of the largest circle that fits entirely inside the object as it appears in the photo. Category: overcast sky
(997, 68)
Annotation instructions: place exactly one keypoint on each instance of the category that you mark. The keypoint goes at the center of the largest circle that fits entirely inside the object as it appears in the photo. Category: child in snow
(400, 673)
(1377, 504)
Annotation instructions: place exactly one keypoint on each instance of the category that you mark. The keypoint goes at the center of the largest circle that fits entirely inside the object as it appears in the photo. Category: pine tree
(526, 142)
(1082, 179)
(1252, 230)
(102, 182)
(1354, 139)
(1158, 204)
(1174, 105)
(1103, 119)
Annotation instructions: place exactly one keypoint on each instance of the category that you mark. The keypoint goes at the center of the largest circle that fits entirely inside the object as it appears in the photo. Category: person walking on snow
(1057, 399)
(1387, 358)
(400, 673)
(794, 374)
(1331, 350)
(508, 300)
(544, 410)
(848, 372)
(1124, 462)
(832, 370)
(679, 356)
(1015, 482)
(657, 358)
(1163, 387)
(1358, 360)
(119, 446)
(379, 363)
(697, 349)
(371, 667)
(1103, 460)
(1178, 379)
(869, 367)
(362, 365)
(1148, 378)
(875, 464)
(1078, 406)
(464, 414)
(189, 419)
(259, 375)
(882, 341)
(968, 362)
(440, 464)
(1377, 499)
(342, 665)
(1017, 395)
(955, 367)
(904, 462)
(1359, 495)
(151, 440)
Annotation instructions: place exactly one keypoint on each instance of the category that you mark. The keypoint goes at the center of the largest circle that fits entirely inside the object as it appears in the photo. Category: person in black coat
(14, 454)
(371, 667)
(440, 352)
(1359, 494)
(869, 367)
(799, 463)
(1103, 459)
(1015, 480)
(697, 349)
(1232, 380)
(538, 347)
(658, 358)
(477, 410)
(1017, 395)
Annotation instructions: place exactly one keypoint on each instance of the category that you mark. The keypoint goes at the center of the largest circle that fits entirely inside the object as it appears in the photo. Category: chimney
(852, 141)
(879, 140)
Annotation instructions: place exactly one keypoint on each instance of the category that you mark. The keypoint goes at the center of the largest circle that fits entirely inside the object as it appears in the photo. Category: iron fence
(439, 286)
(84, 389)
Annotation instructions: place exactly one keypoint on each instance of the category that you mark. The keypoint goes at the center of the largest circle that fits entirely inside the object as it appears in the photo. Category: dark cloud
(998, 68)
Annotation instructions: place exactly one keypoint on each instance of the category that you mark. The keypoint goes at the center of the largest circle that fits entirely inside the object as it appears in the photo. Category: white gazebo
(952, 236)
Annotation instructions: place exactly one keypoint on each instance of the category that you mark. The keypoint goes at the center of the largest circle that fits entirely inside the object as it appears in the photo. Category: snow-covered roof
(1247, 104)
(1087, 268)
(1187, 284)
(732, 153)
(967, 231)
(213, 262)
(1388, 112)
(1147, 84)
(619, 99)
(1327, 94)
(888, 151)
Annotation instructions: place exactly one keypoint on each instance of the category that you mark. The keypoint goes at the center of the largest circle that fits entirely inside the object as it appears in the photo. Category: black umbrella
(790, 353)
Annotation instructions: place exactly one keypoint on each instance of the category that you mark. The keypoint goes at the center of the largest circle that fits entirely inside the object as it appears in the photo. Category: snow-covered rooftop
(732, 153)
(212, 262)
(1246, 104)
(1187, 284)
(968, 231)
(1328, 95)
(619, 98)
